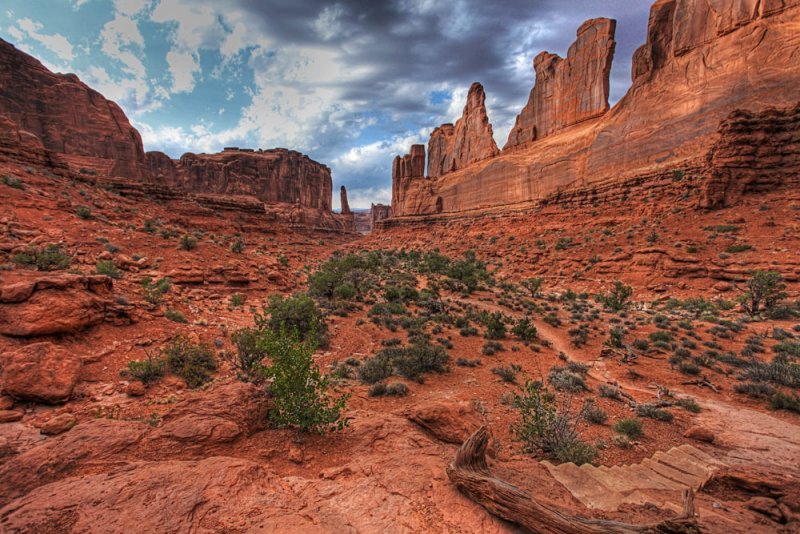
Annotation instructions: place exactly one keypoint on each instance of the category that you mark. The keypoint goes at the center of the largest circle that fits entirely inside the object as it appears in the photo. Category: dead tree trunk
(470, 474)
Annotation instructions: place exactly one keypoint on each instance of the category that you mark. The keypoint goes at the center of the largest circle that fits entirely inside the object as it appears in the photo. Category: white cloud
(56, 43)
(131, 7)
(122, 40)
(328, 24)
(183, 65)
(77, 4)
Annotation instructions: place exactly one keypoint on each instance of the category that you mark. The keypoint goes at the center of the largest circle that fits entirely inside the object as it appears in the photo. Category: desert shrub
(395, 389)
(785, 401)
(188, 242)
(631, 428)
(525, 330)
(391, 342)
(660, 336)
(147, 371)
(765, 290)
(579, 335)
(246, 361)
(464, 362)
(300, 396)
(468, 331)
(176, 316)
(641, 344)
(495, 326)
(154, 292)
(756, 390)
(779, 371)
(552, 319)
(13, 181)
(108, 268)
(49, 258)
(545, 426)
(609, 391)
(594, 414)
(689, 404)
(653, 412)
(533, 285)
(618, 298)
(490, 348)
(237, 247)
(298, 313)
(508, 374)
(563, 379)
(689, 368)
(237, 300)
(194, 363)
(466, 274)
(83, 213)
(739, 247)
(411, 362)
(722, 228)
(616, 338)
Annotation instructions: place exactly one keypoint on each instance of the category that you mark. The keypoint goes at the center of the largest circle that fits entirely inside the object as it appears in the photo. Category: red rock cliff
(69, 118)
(703, 59)
(568, 91)
(471, 139)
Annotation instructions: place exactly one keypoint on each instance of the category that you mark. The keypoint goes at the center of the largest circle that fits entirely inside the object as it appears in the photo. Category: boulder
(10, 416)
(58, 424)
(41, 372)
(700, 433)
(448, 421)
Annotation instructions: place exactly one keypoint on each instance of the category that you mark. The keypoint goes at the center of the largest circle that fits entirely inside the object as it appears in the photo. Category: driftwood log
(470, 474)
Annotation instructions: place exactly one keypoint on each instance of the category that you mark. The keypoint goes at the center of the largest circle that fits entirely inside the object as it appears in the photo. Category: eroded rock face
(755, 152)
(684, 87)
(471, 139)
(405, 170)
(41, 372)
(68, 117)
(53, 304)
(343, 200)
(571, 90)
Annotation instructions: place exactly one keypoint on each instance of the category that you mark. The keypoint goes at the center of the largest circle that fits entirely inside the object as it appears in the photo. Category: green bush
(237, 300)
(395, 389)
(297, 313)
(108, 268)
(49, 258)
(618, 298)
(194, 363)
(495, 326)
(508, 374)
(13, 181)
(632, 428)
(237, 247)
(739, 247)
(765, 291)
(785, 401)
(147, 371)
(653, 412)
(525, 329)
(154, 292)
(176, 316)
(250, 352)
(188, 242)
(533, 285)
(564, 379)
(545, 426)
(83, 212)
(594, 414)
(411, 362)
(299, 391)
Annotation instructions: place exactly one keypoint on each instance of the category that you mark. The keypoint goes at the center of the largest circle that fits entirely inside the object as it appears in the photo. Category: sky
(350, 83)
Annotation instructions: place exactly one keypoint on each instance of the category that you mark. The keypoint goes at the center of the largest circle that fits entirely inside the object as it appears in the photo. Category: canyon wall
(703, 59)
(57, 121)
(471, 139)
(68, 118)
(568, 91)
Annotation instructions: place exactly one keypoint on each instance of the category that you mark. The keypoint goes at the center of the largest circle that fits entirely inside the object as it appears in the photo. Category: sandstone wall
(68, 117)
(568, 91)
(688, 78)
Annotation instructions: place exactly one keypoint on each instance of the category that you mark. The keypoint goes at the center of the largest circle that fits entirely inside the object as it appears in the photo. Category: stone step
(682, 462)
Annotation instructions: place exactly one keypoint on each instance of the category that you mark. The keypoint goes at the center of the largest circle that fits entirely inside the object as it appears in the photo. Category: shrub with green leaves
(508, 374)
(412, 362)
(147, 371)
(108, 268)
(533, 285)
(237, 300)
(13, 181)
(618, 298)
(547, 426)
(83, 212)
(495, 326)
(632, 428)
(153, 291)
(188, 242)
(300, 396)
(653, 412)
(297, 313)
(194, 363)
(594, 414)
(247, 358)
(765, 290)
(237, 247)
(175, 316)
(49, 258)
(525, 329)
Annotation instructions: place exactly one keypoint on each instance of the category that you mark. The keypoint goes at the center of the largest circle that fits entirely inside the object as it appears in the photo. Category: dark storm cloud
(410, 48)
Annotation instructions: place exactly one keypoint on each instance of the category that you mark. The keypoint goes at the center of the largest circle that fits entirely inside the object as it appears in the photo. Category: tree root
(470, 474)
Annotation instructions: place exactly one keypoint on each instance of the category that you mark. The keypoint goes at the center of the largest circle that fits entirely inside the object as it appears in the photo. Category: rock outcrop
(755, 152)
(343, 200)
(568, 91)
(68, 117)
(379, 212)
(702, 60)
(405, 170)
(41, 372)
(471, 139)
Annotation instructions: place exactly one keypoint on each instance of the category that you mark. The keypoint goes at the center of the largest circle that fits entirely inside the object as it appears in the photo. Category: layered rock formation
(405, 170)
(755, 152)
(471, 139)
(343, 200)
(702, 61)
(67, 117)
(568, 91)
(379, 212)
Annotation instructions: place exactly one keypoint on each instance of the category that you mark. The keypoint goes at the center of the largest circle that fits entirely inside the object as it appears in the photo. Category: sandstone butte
(702, 62)
(681, 191)
(66, 124)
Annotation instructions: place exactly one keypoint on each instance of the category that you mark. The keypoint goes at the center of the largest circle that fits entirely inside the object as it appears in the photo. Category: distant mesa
(57, 121)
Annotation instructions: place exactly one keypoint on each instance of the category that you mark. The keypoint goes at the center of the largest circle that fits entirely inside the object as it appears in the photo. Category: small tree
(534, 285)
(618, 298)
(765, 290)
(297, 313)
(525, 330)
(299, 390)
(495, 326)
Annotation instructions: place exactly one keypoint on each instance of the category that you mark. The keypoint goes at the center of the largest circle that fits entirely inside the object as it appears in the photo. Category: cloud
(56, 43)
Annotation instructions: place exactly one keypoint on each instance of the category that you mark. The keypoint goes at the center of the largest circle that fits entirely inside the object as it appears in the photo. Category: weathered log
(470, 474)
